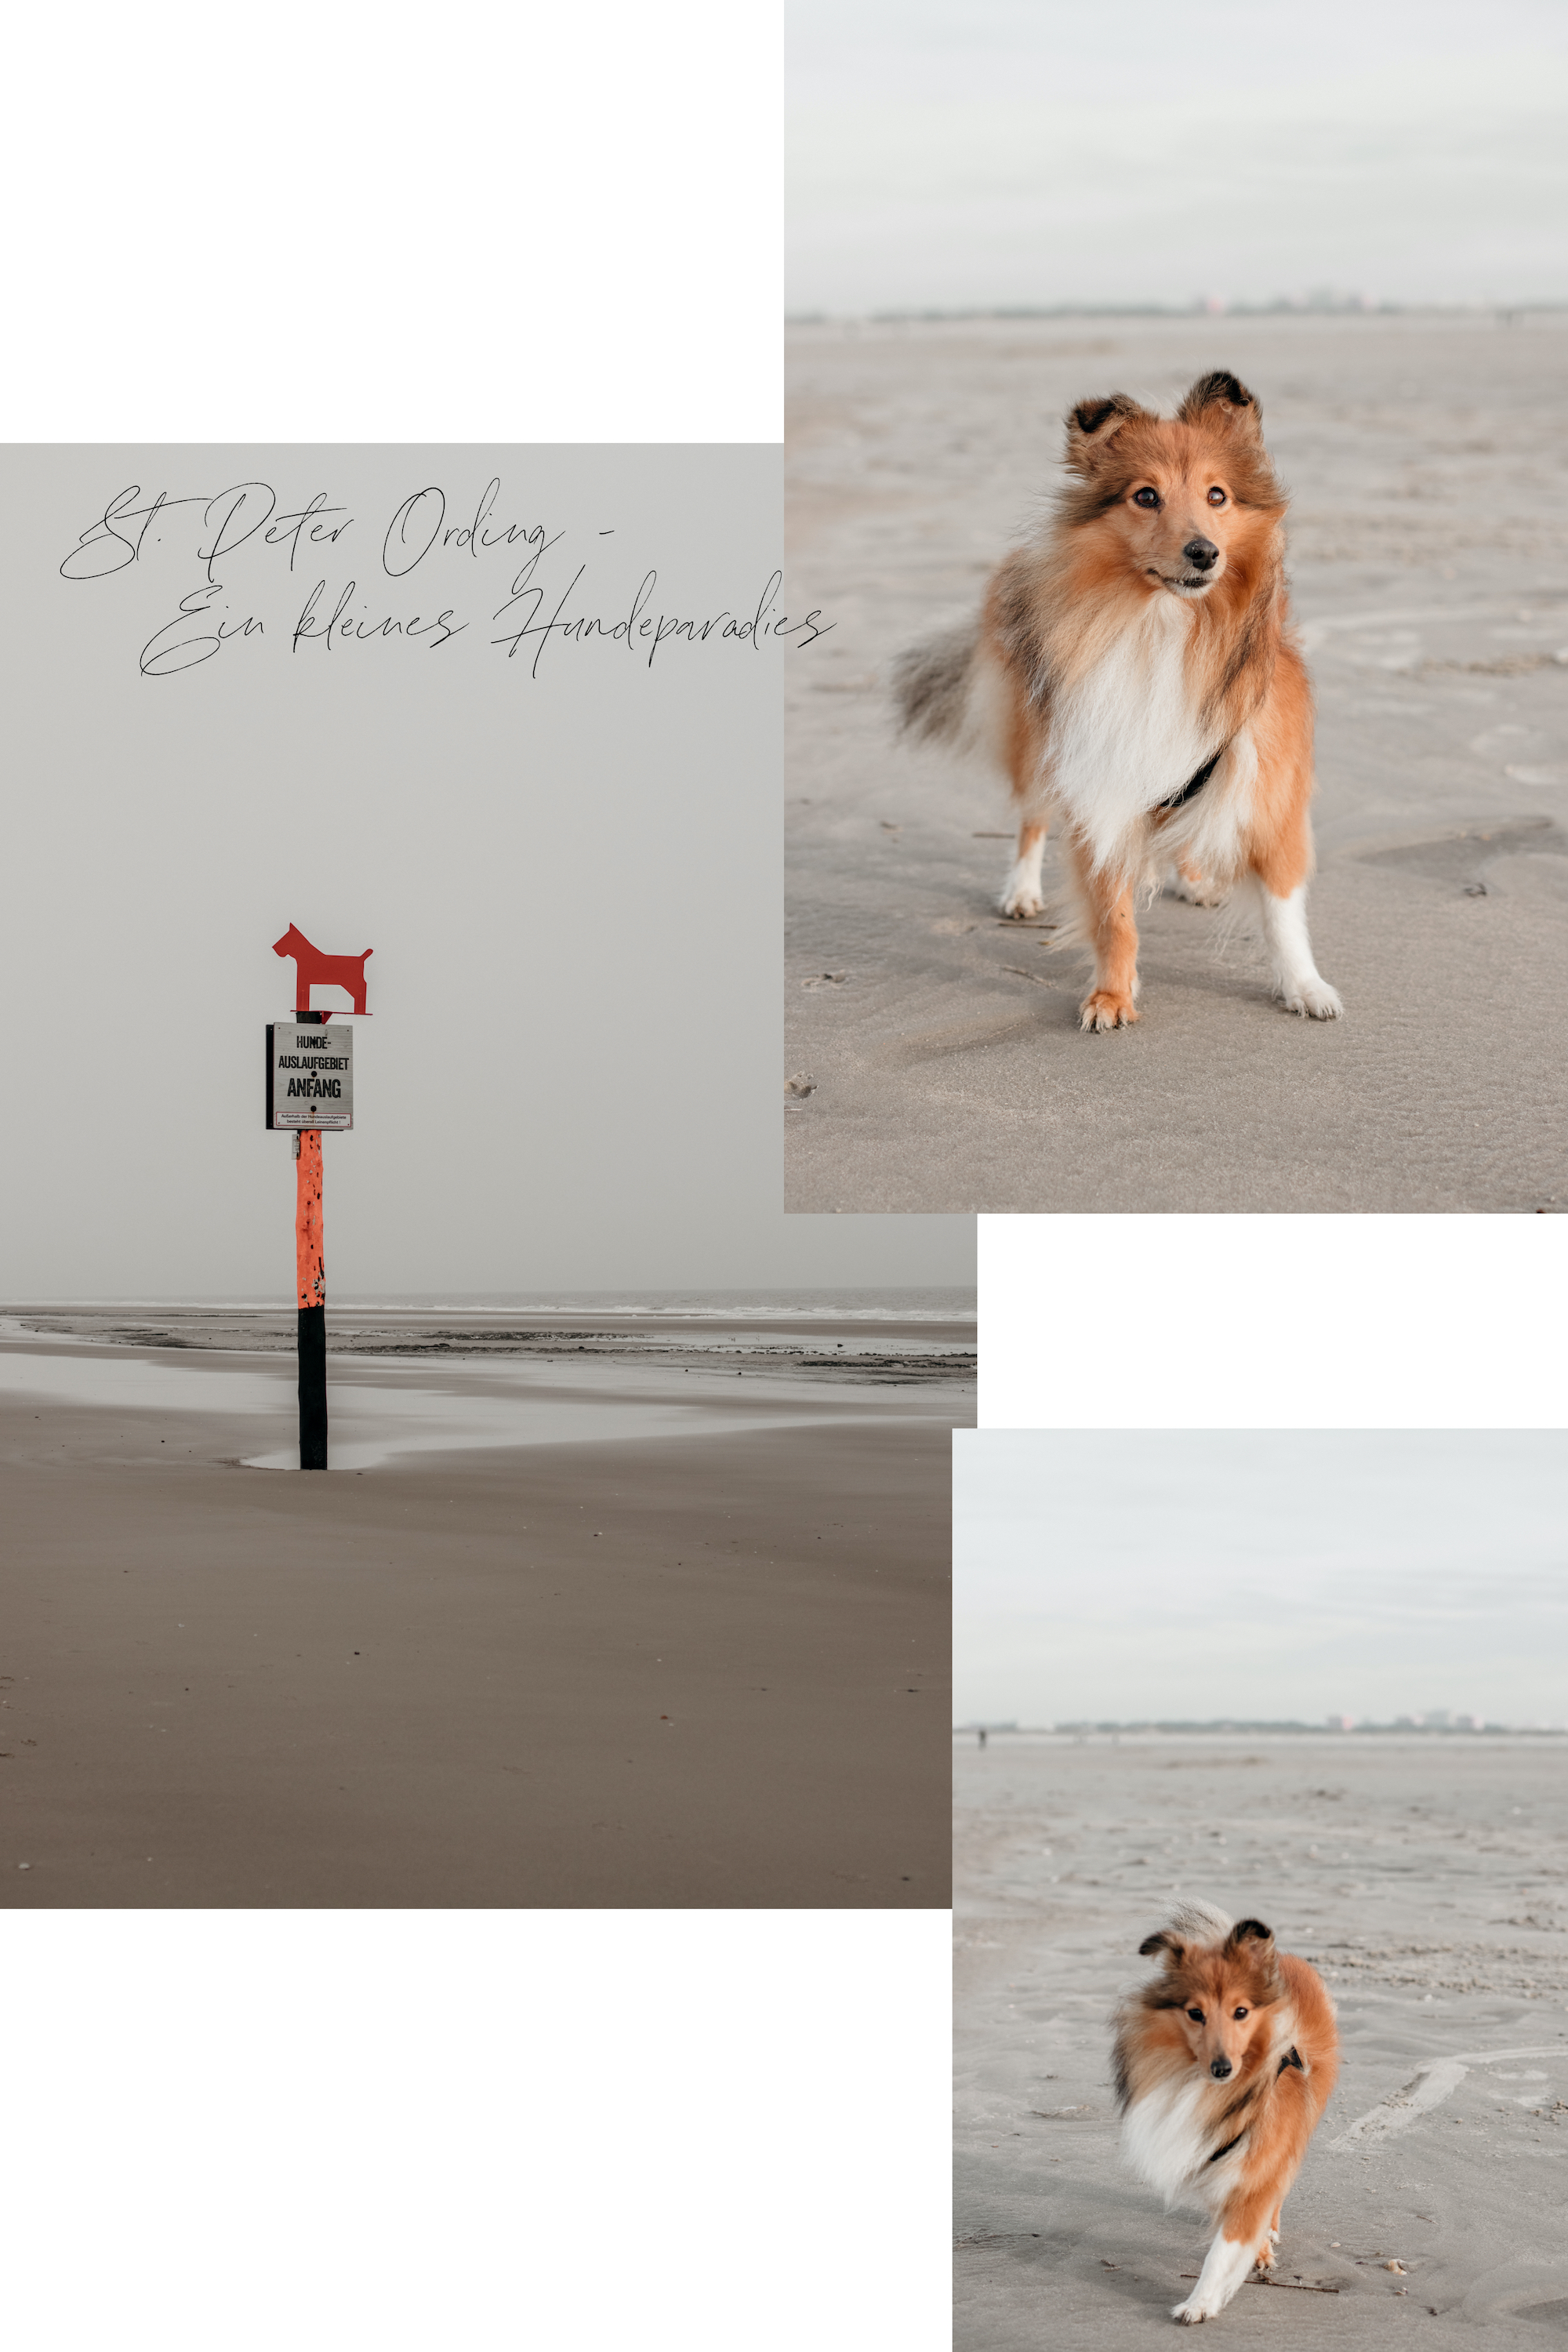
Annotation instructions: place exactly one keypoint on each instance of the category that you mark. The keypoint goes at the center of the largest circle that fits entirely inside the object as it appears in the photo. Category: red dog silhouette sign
(314, 970)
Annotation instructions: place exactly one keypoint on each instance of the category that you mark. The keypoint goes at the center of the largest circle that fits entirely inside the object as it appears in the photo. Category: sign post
(310, 1089)
(310, 1275)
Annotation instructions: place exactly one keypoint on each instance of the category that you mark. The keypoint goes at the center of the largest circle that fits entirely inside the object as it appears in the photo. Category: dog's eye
(1196, 2015)
(1216, 497)
(1147, 497)
(1241, 2012)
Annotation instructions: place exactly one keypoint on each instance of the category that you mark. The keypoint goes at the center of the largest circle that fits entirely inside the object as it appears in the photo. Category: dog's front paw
(1020, 900)
(1314, 998)
(1106, 1008)
(1191, 2312)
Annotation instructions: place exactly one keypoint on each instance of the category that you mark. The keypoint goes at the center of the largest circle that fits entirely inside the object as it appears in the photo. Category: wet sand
(899, 1350)
(1426, 1878)
(1431, 578)
(701, 1661)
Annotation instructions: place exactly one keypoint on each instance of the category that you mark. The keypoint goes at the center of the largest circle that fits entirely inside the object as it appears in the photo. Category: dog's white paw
(1020, 900)
(1313, 997)
(1191, 2312)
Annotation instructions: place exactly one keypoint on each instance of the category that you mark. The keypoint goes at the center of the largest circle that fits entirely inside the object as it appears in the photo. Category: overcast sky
(949, 153)
(1194, 1575)
(567, 865)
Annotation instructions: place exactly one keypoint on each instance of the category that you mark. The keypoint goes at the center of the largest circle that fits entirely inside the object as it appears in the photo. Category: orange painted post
(308, 1239)
(308, 1091)
(311, 1276)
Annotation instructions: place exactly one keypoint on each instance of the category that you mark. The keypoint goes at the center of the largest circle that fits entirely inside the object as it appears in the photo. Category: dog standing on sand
(1223, 2065)
(1134, 674)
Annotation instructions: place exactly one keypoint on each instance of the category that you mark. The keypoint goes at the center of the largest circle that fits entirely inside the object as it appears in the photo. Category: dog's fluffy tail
(930, 684)
(1201, 1923)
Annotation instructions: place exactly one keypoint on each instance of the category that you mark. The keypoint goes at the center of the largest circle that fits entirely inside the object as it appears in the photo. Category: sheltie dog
(1224, 2063)
(1134, 674)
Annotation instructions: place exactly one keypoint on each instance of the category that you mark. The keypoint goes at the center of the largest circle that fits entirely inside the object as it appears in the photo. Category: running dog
(1223, 2065)
(1134, 674)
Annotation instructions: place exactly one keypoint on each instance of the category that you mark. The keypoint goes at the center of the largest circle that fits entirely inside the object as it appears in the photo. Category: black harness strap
(1291, 2058)
(1195, 784)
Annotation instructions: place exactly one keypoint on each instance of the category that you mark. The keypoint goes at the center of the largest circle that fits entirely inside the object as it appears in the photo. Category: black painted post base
(312, 1388)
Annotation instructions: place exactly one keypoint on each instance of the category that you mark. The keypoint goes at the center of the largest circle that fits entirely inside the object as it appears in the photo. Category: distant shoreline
(937, 1305)
(1150, 1734)
(1448, 311)
(883, 1350)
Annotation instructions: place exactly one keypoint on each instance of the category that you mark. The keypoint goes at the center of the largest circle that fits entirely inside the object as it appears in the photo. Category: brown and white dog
(1134, 674)
(1223, 2065)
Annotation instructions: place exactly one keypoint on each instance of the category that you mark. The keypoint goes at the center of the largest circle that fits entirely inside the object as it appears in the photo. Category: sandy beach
(582, 1615)
(1427, 1877)
(941, 1045)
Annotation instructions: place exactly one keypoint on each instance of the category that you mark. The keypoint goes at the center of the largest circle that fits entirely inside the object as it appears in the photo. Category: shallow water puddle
(132, 1384)
(372, 1425)
(485, 1404)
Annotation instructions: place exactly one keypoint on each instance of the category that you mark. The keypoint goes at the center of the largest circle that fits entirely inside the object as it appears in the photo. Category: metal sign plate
(309, 1075)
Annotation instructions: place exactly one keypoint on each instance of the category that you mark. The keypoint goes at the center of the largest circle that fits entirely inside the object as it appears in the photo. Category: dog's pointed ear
(1093, 425)
(1171, 1946)
(1249, 1931)
(1251, 1943)
(1223, 399)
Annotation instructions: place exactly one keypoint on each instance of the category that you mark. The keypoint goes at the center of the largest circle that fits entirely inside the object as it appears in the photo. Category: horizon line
(1347, 307)
(1471, 1729)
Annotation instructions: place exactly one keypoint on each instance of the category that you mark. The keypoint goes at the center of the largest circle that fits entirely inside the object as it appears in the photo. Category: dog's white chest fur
(1162, 2137)
(1127, 736)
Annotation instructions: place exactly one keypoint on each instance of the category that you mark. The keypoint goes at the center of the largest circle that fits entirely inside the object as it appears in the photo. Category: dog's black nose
(1220, 2069)
(1201, 553)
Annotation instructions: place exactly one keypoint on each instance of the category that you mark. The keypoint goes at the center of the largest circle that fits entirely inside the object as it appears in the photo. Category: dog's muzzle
(1221, 2069)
